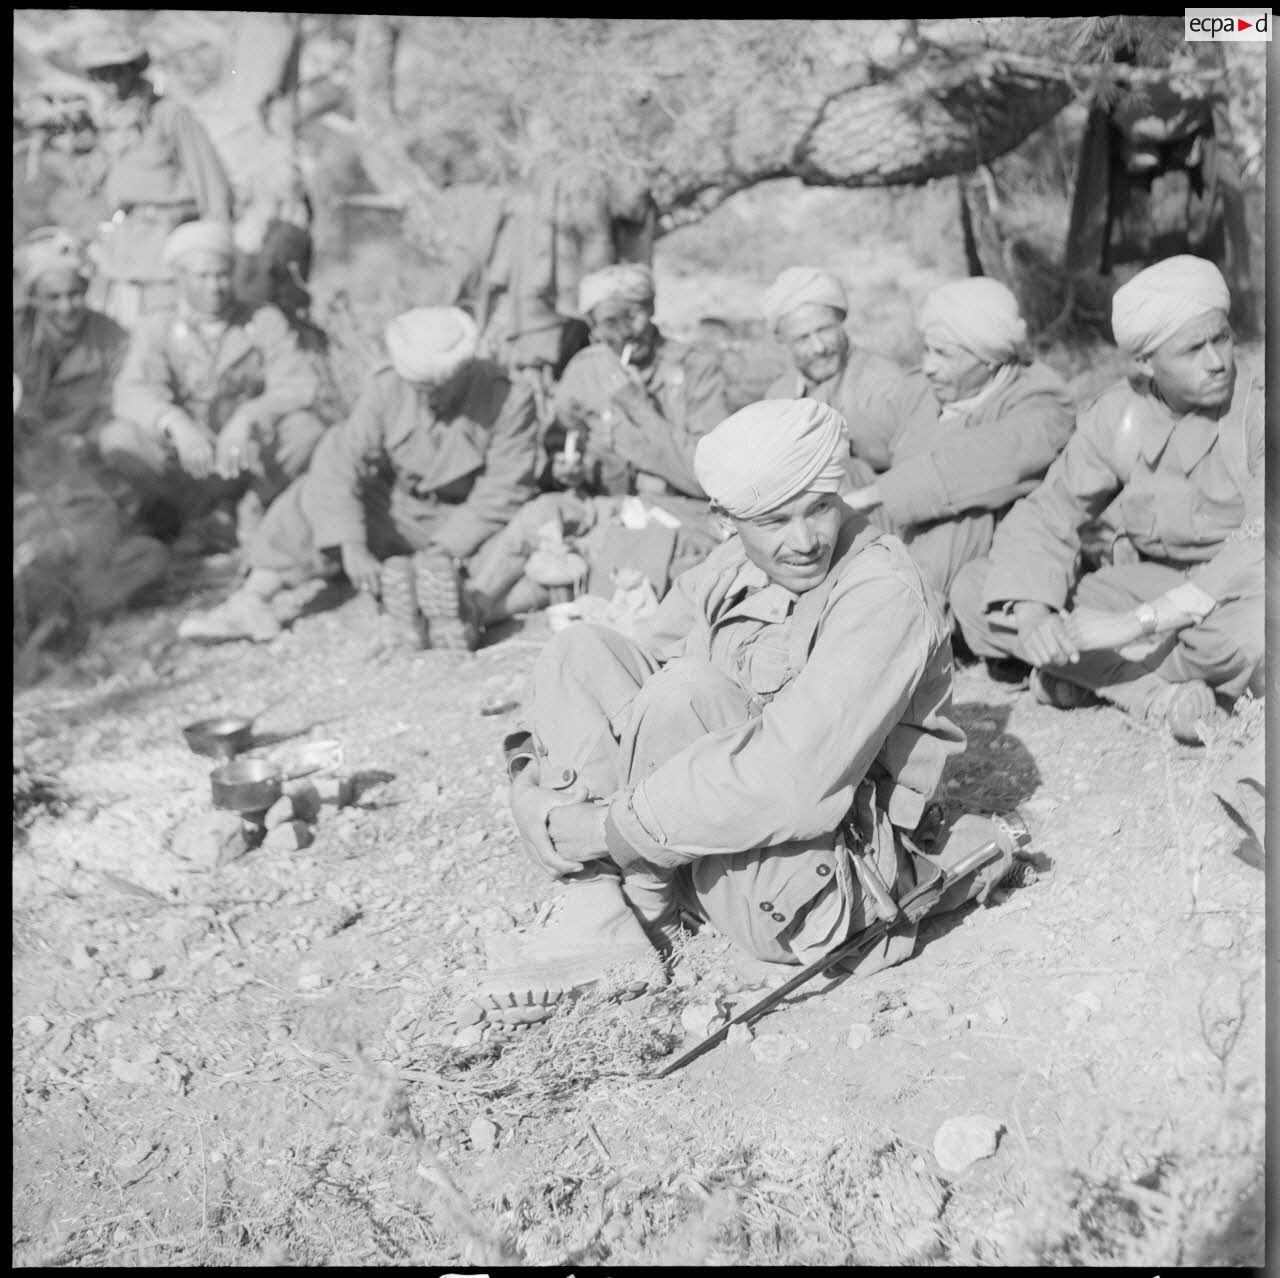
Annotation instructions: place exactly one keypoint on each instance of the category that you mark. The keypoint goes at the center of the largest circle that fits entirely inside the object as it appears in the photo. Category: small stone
(312, 980)
(292, 836)
(468, 1036)
(683, 977)
(36, 1025)
(279, 812)
(1217, 932)
(209, 839)
(483, 1134)
(81, 957)
(927, 1001)
(957, 1023)
(142, 969)
(469, 1013)
(773, 1049)
(128, 1071)
(960, 1142)
(404, 859)
(860, 1034)
(334, 789)
(306, 799)
(701, 1019)
(995, 1012)
(739, 1035)
(896, 1014)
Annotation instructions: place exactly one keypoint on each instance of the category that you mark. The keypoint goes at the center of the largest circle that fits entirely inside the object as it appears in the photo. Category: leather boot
(595, 943)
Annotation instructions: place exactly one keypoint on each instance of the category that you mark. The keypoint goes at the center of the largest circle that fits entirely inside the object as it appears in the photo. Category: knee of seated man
(687, 687)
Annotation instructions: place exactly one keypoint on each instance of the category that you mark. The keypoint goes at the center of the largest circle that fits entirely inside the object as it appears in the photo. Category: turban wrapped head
(431, 343)
(802, 286)
(626, 281)
(202, 236)
(980, 315)
(1157, 302)
(770, 452)
(49, 249)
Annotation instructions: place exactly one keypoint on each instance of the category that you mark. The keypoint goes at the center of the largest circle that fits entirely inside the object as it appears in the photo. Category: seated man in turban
(216, 400)
(65, 355)
(978, 428)
(790, 699)
(1176, 454)
(629, 410)
(436, 456)
(805, 309)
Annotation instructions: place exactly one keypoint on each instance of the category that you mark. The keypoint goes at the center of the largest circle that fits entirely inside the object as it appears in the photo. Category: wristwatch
(1147, 619)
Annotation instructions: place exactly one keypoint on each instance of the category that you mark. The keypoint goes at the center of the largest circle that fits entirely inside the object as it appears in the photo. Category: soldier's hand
(192, 442)
(569, 474)
(531, 804)
(1091, 629)
(1044, 635)
(237, 443)
(362, 569)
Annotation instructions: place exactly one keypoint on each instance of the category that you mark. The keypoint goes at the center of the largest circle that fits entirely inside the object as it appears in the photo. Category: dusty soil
(258, 1064)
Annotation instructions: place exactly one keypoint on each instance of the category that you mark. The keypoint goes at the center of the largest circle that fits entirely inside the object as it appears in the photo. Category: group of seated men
(816, 552)
(444, 494)
(762, 754)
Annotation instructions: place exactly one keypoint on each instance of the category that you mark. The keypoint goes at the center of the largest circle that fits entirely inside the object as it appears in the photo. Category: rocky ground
(256, 1062)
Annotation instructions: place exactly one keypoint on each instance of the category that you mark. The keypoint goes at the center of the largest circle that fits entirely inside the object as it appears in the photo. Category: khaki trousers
(602, 709)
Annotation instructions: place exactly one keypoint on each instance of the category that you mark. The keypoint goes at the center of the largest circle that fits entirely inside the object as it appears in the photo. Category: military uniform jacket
(66, 392)
(477, 457)
(860, 688)
(686, 391)
(865, 393)
(155, 152)
(174, 360)
(980, 460)
(1188, 493)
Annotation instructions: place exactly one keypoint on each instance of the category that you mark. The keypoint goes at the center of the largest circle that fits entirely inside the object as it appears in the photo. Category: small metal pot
(247, 785)
(220, 738)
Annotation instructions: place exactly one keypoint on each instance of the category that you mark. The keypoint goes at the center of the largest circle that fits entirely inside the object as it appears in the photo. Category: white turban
(979, 314)
(802, 286)
(627, 281)
(49, 249)
(1157, 302)
(203, 236)
(770, 452)
(431, 343)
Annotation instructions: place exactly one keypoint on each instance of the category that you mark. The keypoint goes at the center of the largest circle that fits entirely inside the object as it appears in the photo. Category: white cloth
(627, 281)
(770, 452)
(1148, 310)
(980, 314)
(201, 236)
(802, 286)
(430, 344)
